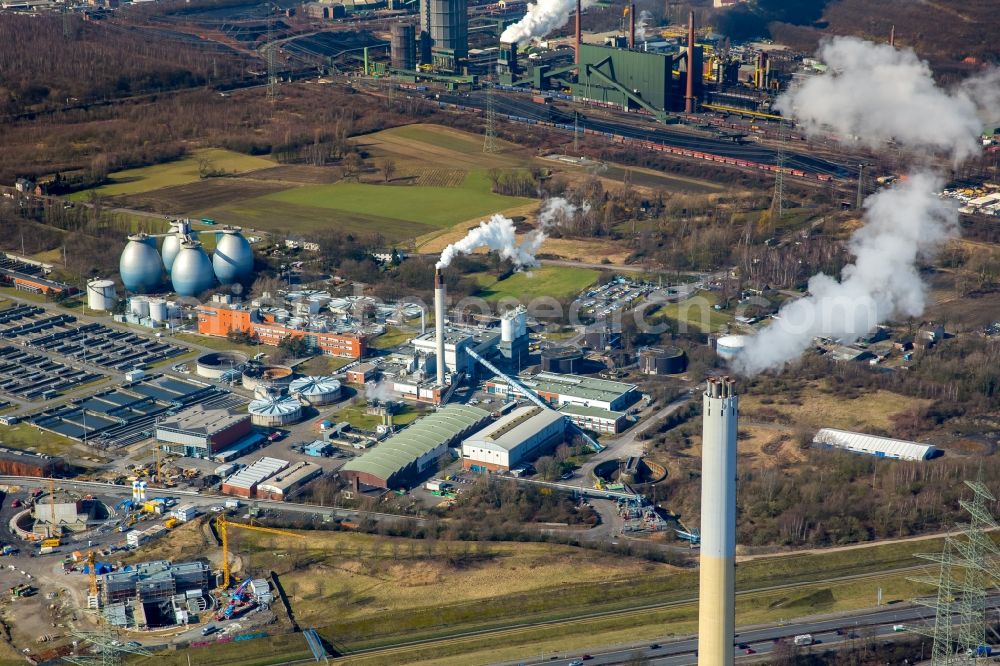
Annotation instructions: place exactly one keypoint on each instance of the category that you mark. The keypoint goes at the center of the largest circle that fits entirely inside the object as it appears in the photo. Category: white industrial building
(595, 419)
(514, 439)
(244, 483)
(557, 389)
(456, 342)
(881, 447)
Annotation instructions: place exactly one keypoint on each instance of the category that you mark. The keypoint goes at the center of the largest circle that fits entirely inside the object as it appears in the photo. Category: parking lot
(619, 294)
(31, 376)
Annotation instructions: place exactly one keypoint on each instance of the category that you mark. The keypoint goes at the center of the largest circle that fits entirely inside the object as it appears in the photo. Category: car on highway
(749, 650)
(655, 646)
(576, 662)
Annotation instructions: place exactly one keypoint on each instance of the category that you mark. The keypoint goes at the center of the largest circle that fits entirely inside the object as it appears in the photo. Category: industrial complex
(479, 319)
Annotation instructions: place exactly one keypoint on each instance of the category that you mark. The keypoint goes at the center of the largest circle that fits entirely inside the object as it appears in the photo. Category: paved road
(201, 500)
(763, 639)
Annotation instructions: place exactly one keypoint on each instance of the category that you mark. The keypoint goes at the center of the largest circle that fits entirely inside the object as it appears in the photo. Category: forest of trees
(109, 59)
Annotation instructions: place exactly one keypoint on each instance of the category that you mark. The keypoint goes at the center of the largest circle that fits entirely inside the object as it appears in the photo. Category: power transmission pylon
(861, 185)
(66, 25)
(576, 132)
(490, 144)
(111, 649)
(272, 53)
(960, 621)
(779, 179)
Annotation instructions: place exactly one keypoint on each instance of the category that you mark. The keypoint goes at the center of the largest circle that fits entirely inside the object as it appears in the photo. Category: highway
(763, 639)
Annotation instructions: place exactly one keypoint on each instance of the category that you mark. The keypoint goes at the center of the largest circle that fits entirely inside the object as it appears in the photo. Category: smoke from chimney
(873, 93)
(542, 18)
(498, 234)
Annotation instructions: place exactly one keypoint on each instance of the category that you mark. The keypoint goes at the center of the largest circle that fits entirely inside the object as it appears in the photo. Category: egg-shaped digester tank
(233, 257)
(179, 229)
(192, 272)
(139, 265)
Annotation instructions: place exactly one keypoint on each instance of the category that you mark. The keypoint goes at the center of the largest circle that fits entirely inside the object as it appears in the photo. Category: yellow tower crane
(222, 525)
(52, 505)
(92, 572)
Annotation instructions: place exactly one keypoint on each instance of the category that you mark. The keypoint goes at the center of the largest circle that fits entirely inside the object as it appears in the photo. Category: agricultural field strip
(565, 620)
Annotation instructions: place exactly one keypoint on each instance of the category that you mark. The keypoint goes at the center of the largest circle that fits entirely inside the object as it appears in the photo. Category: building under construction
(155, 594)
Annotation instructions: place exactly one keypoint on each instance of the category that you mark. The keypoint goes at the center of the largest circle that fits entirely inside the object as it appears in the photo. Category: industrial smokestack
(892, 36)
(576, 38)
(439, 323)
(689, 97)
(717, 594)
(631, 26)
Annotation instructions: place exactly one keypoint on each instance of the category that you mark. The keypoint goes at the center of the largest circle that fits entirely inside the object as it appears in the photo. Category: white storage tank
(728, 346)
(157, 309)
(315, 390)
(274, 412)
(101, 295)
(139, 306)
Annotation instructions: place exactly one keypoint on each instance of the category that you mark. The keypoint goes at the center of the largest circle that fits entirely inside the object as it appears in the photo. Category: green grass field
(356, 416)
(698, 312)
(397, 212)
(451, 142)
(393, 337)
(178, 172)
(221, 344)
(432, 206)
(28, 437)
(556, 281)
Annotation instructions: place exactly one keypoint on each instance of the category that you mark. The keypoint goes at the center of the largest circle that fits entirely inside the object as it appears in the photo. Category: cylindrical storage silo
(101, 295)
(506, 329)
(192, 271)
(565, 360)
(139, 265)
(216, 365)
(233, 257)
(139, 306)
(662, 361)
(157, 309)
(315, 390)
(728, 346)
(450, 26)
(404, 47)
(274, 412)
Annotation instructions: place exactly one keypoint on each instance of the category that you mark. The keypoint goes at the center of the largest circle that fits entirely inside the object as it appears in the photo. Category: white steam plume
(543, 17)
(874, 93)
(641, 22)
(498, 235)
(901, 225)
(378, 391)
(558, 210)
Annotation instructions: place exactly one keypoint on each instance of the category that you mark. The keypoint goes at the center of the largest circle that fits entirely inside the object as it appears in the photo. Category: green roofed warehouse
(404, 458)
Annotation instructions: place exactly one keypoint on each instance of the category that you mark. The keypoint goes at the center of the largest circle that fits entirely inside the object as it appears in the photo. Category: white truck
(803, 639)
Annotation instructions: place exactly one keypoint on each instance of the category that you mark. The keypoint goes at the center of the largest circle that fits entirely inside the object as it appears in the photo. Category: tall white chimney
(439, 323)
(717, 594)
